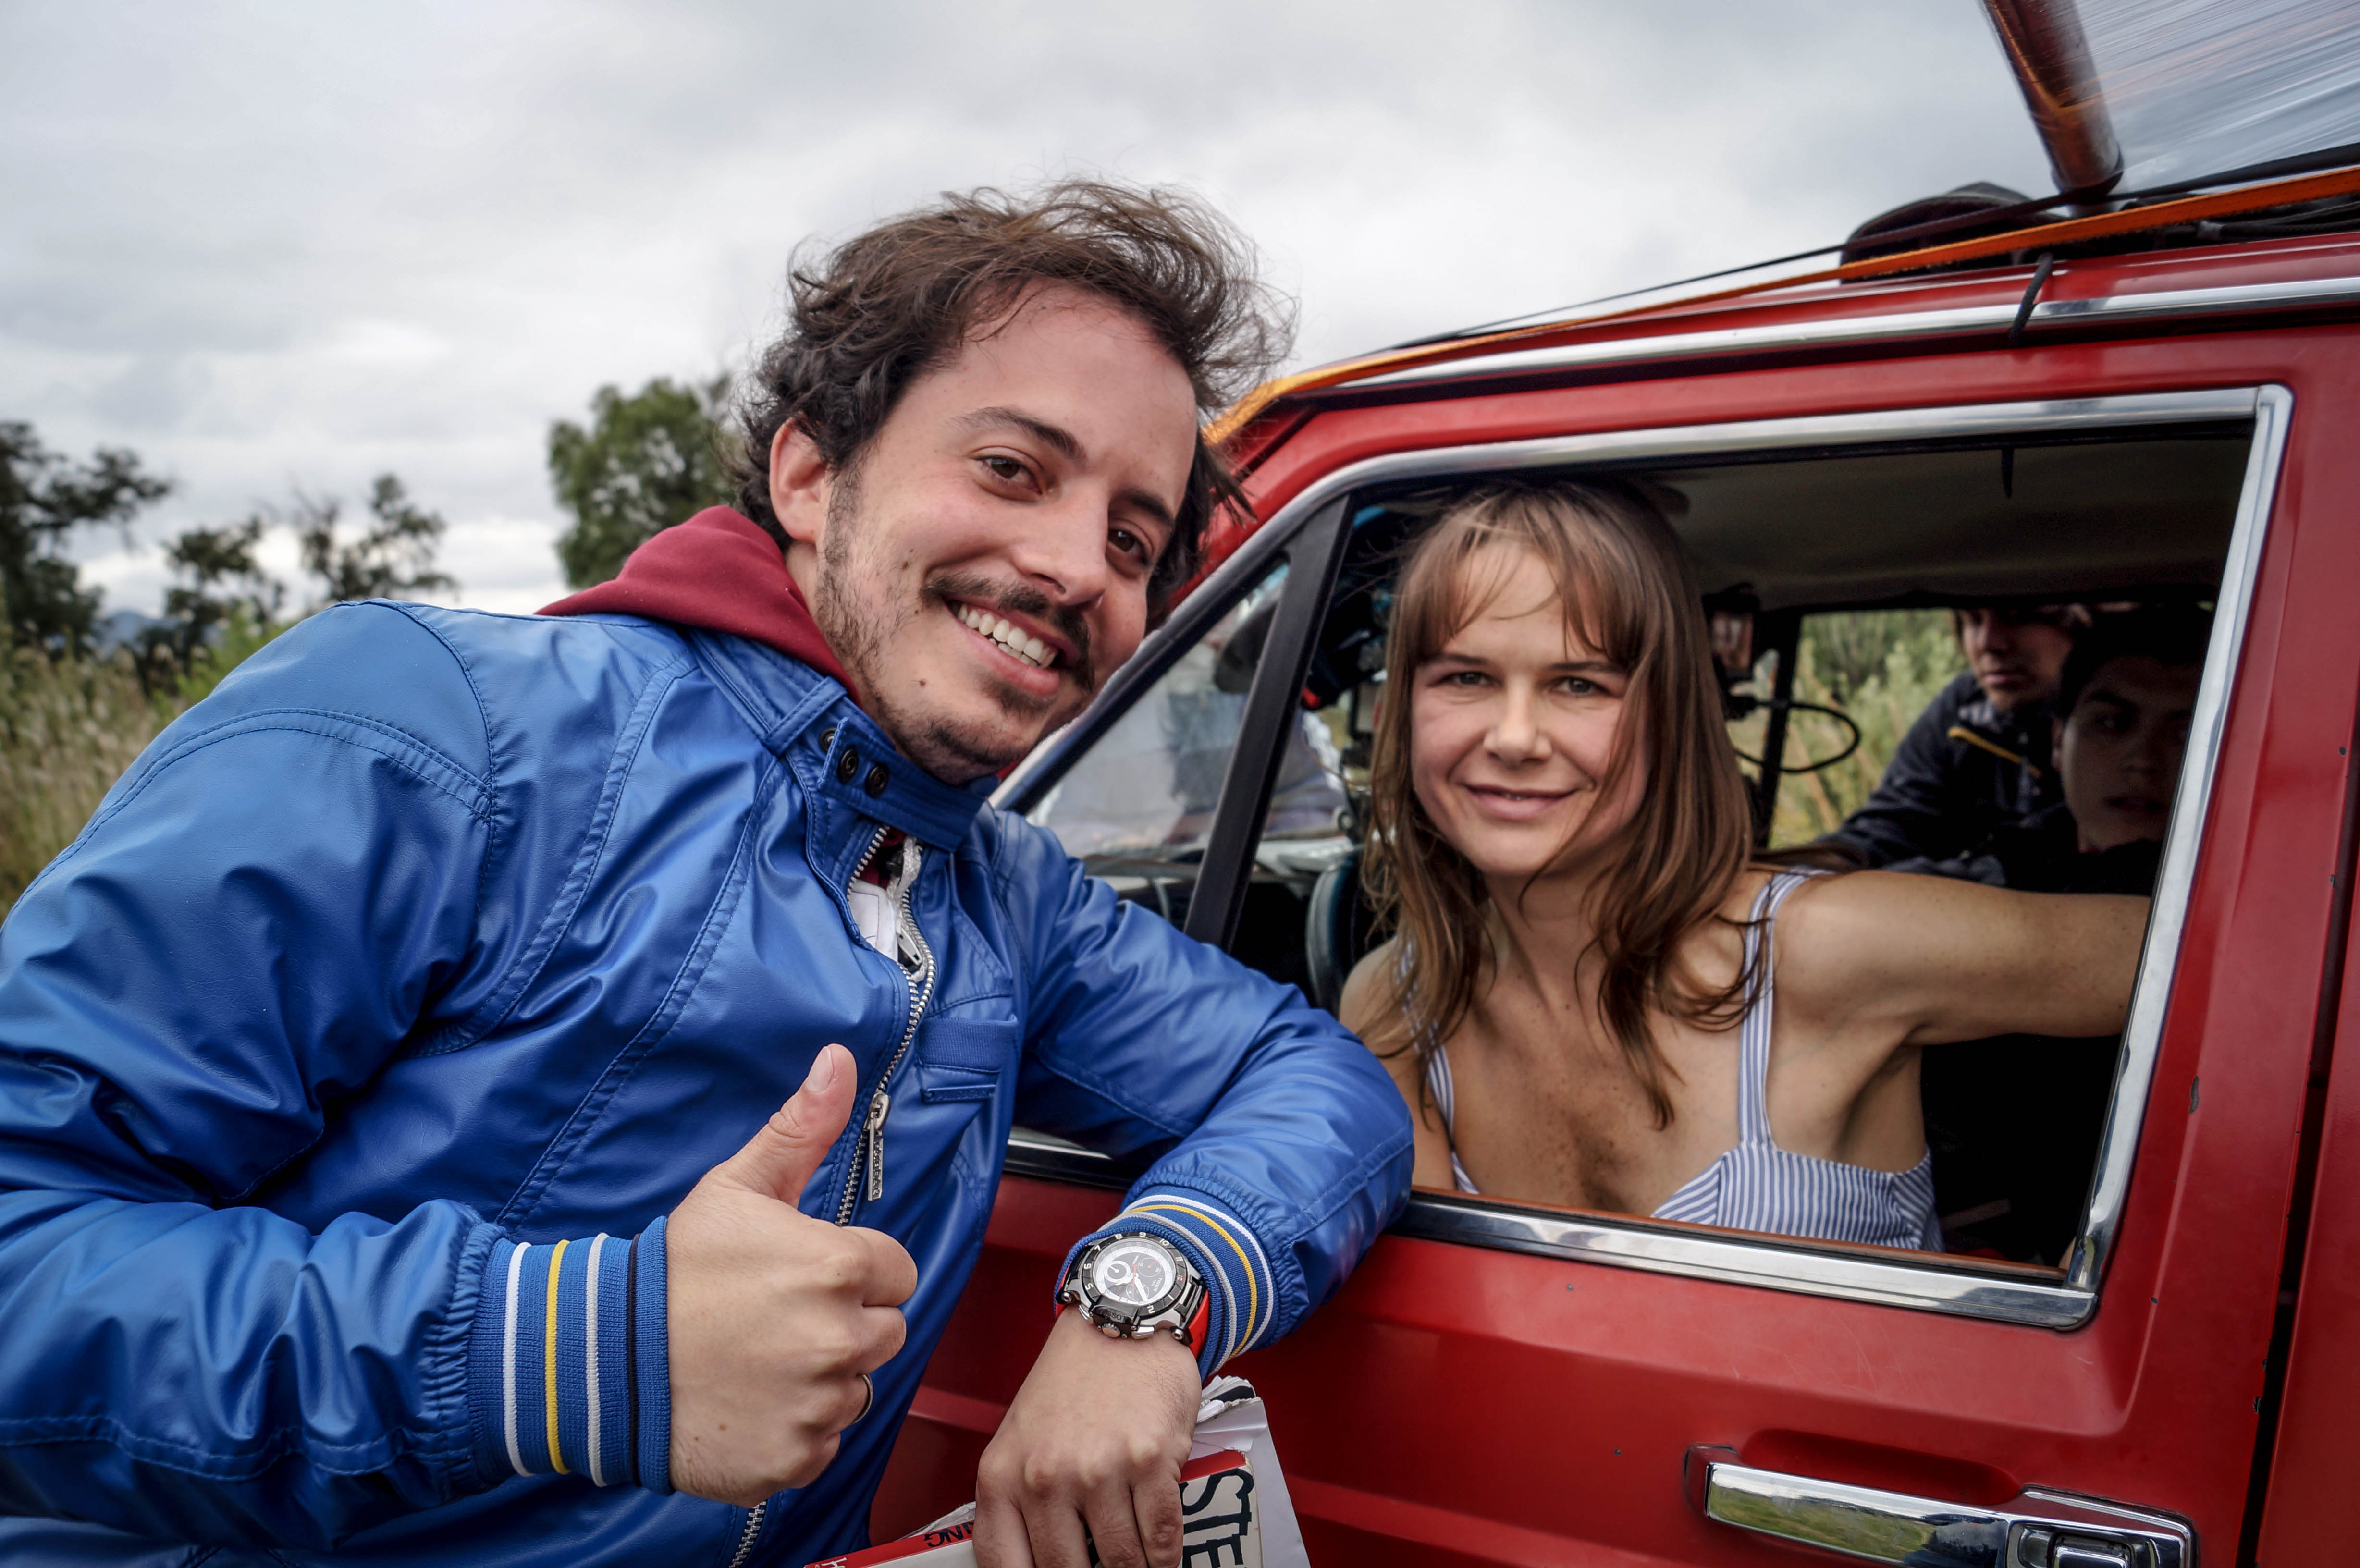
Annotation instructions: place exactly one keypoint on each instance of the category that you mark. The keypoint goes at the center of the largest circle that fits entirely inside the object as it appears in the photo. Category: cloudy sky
(270, 246)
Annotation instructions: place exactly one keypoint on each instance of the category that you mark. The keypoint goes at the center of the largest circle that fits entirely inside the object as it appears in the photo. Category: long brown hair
(1623, 582)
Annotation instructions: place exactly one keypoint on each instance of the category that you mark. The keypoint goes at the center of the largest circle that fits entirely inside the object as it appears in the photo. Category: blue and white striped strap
(568, 1365)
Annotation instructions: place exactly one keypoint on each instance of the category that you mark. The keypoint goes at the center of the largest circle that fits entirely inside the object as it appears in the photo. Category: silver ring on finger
(868, 1398)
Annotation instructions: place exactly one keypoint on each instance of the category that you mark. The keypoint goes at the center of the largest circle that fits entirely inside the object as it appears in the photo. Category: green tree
(394, 560)
(43, 498)
(646, 461)
(222, 583)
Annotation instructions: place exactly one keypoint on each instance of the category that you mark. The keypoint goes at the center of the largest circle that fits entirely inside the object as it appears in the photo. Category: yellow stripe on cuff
(549, 1355)
(1253, 1297)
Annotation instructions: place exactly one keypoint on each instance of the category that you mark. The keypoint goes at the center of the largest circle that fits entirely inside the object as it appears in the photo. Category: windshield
(2197, 87)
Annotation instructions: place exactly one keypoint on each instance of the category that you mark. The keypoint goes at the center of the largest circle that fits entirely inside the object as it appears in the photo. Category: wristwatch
(1133, 1283)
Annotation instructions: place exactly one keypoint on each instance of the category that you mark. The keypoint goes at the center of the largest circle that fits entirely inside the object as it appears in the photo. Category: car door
(1513, 1383)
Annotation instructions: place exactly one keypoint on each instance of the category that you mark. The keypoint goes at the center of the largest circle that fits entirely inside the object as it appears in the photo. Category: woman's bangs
(1468, 574)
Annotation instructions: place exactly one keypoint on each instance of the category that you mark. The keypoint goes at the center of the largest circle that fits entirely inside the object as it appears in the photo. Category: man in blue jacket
(384, 1072)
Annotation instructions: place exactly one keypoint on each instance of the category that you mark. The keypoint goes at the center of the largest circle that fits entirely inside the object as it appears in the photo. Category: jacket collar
(718, 571)
(838, 753)
(722, 580)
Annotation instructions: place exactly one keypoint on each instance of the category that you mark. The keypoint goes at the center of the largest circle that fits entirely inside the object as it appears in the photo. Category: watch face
(1136, 1273)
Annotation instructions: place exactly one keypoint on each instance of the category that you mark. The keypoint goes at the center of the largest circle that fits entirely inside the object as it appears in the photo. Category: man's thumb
(783, 1155)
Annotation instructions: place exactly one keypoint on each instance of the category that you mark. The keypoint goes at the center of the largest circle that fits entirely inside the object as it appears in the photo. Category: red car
(1510, 1383)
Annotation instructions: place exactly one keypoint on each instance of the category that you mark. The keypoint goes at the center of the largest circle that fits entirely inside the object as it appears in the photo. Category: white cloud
(269, 247)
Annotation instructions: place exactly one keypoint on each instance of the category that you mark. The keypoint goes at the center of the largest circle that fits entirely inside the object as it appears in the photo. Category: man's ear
(801, 483)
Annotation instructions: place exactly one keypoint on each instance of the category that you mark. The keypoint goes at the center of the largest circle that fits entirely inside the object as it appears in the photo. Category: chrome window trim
(1941, 1284)
(1957, 1286)
(2273, 411)
(1907, 327)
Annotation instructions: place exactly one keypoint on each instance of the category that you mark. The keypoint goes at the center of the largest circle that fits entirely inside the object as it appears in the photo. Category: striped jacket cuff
(568, 1369)
(1227, 1253)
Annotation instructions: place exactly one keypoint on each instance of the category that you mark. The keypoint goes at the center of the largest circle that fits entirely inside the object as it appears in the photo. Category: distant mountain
(118, 627)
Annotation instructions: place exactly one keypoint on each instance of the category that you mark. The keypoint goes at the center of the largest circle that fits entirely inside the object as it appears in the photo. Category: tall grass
(70, 726)
(68, 729)
(1880, 667)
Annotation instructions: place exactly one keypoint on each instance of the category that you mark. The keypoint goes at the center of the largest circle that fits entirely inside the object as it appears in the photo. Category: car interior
(1785, 547)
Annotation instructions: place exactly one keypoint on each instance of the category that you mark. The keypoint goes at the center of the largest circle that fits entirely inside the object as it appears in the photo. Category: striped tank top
(1758, 1185)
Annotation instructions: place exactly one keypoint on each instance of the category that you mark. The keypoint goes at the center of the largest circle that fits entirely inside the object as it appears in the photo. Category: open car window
(1137, 806)
(1840, 550)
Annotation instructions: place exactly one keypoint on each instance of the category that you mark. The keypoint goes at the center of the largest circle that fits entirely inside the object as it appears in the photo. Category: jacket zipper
(868, 1154)
(753, 1528)
(870, 1150)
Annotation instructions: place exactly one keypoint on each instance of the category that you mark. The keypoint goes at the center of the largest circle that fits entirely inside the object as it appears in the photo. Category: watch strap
(1199, 1319)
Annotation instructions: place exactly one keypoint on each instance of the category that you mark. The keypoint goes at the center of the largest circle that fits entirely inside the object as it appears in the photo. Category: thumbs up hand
(773, 1315)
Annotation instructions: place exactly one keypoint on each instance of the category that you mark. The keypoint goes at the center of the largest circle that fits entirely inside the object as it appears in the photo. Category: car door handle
(2037, 1529)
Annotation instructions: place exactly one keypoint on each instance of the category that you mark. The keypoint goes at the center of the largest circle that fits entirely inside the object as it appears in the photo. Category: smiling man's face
(985, 562)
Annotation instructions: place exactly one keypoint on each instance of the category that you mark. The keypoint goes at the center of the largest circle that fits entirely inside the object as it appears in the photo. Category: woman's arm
(1894, 961)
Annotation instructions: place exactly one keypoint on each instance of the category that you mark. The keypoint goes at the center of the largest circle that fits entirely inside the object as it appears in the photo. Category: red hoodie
(718, 571)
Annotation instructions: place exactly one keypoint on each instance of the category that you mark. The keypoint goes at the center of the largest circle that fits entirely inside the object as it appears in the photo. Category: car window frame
(1944, 1283)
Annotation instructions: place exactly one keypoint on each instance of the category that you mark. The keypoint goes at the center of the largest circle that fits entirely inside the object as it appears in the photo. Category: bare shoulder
(1846, 902)
(1367, 990)
(1715, 946)
(1852, 927)
(1366, 1008)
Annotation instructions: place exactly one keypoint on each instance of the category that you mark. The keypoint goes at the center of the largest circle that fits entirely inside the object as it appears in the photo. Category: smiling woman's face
(1513, 727)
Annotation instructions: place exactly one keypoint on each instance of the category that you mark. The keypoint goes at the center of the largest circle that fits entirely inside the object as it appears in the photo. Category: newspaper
(1234, 1511)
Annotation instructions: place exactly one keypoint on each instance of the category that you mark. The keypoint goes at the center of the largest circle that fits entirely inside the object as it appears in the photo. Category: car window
(2013, 1126)
(1831, 567)
(1137, 807)
(1139, 803)
(1869, 674)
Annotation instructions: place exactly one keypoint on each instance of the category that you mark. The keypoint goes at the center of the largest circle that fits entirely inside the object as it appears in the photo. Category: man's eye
(1128, 543)
(1006, 468)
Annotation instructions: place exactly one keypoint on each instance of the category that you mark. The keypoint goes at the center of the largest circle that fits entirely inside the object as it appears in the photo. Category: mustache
(1018, 598)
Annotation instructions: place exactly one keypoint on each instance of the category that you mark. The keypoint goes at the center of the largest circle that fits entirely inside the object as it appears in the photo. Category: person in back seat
(2125, 701)
(2014, 1123)
(1578, 1003)
(1977, 758)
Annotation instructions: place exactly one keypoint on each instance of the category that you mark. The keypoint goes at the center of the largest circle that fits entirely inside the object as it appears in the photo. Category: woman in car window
(1594, 996)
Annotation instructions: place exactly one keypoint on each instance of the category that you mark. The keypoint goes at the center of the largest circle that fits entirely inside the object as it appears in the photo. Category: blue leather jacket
(432, 932)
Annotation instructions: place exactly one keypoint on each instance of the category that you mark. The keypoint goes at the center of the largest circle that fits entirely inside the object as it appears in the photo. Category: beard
(864, 629)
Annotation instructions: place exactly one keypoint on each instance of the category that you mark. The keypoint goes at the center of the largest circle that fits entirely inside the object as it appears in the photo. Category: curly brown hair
(884, 307)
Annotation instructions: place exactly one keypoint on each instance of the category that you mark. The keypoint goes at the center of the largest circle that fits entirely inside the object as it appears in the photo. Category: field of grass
(68, 729)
